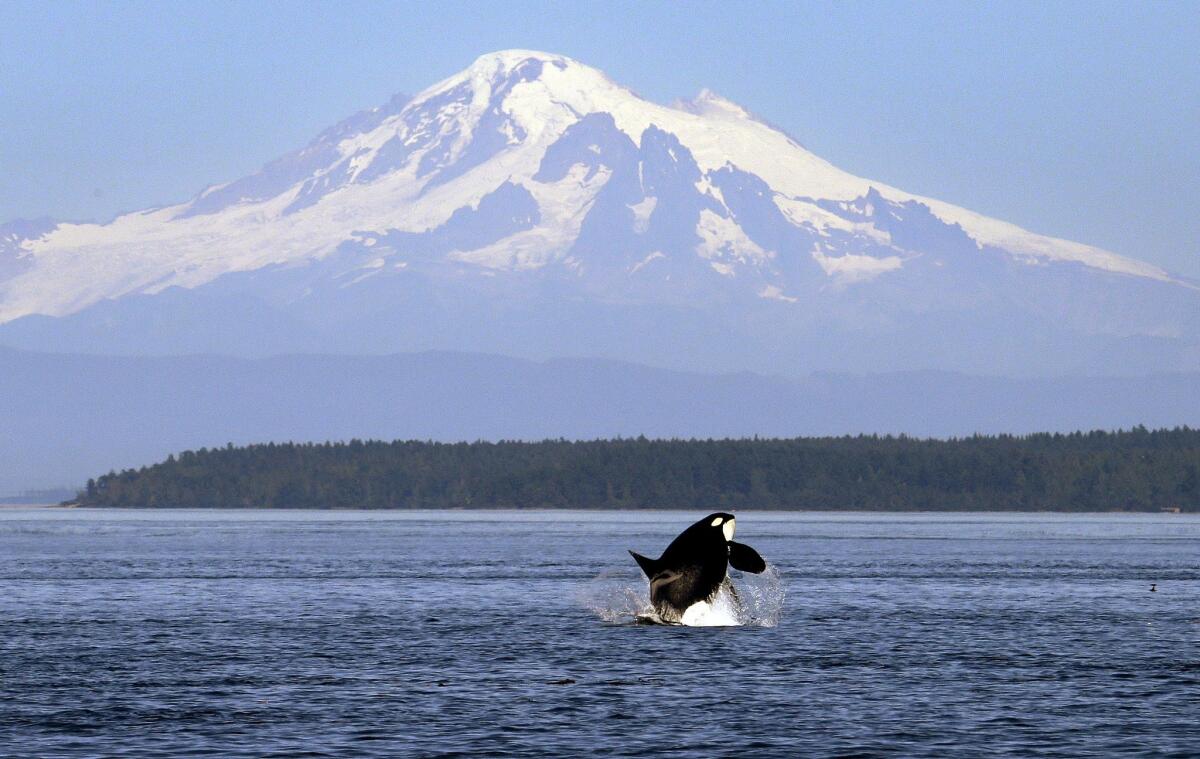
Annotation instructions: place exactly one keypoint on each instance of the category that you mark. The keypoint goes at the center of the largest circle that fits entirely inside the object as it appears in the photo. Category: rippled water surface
(504, 633)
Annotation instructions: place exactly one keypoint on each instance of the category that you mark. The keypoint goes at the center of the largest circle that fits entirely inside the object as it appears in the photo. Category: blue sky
(1079, 120)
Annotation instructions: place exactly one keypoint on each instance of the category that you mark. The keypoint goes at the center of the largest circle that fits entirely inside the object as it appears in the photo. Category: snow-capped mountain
(531, 205)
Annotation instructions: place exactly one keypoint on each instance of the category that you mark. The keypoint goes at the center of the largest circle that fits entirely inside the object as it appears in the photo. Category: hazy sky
(1079, 120)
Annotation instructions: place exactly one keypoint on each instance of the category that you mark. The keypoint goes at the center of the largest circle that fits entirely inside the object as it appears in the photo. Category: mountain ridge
(531, 178)
(69, 417)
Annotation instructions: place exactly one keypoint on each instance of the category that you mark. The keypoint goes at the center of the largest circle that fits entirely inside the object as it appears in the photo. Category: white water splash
(722, 611)
(761, 597)
(623, 597)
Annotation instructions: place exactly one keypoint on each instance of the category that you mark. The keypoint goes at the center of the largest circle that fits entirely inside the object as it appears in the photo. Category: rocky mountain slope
(531, 206)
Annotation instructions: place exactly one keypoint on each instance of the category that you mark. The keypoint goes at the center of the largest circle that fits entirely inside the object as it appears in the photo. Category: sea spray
(622, 596)
(616, 596)
(761, 597)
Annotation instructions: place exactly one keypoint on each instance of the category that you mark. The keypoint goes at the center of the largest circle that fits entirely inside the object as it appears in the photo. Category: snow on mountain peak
(506, 61)
(528, 161)
(709, 103)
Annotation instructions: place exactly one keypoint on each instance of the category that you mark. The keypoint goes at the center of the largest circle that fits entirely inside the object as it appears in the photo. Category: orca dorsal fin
(745, 558)
(649, 566)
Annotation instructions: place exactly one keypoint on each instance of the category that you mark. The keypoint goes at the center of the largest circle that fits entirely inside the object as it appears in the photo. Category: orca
(693, 568)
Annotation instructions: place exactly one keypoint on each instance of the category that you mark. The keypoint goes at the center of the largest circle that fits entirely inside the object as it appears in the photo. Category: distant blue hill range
(529, 206)
(70, 417)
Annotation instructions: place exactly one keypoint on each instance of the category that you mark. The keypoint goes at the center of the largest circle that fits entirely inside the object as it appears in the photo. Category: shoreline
(590, 510)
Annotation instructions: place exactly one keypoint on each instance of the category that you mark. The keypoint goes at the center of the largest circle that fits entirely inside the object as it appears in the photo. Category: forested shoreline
(1135, 470)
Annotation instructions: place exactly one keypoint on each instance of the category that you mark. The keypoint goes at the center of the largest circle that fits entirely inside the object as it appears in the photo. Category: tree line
(1135, 470)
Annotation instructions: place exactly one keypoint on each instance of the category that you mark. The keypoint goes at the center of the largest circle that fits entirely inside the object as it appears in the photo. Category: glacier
(529, 205)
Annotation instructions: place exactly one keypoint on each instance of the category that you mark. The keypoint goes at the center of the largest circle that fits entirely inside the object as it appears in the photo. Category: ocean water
(228, 634)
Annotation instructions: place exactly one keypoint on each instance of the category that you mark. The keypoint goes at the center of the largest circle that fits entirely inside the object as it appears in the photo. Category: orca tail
(649, 566)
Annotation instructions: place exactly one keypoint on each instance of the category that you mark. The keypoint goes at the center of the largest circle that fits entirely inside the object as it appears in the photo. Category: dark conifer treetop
(1135, 470)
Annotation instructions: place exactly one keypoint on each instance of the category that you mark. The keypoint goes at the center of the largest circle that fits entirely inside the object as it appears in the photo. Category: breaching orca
(693, 567)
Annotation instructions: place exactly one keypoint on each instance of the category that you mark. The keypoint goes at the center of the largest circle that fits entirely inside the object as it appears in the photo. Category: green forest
(1135, 470)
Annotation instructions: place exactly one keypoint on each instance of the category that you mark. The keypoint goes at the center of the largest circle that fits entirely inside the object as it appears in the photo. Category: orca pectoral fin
(649, 566)
(745, 558)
